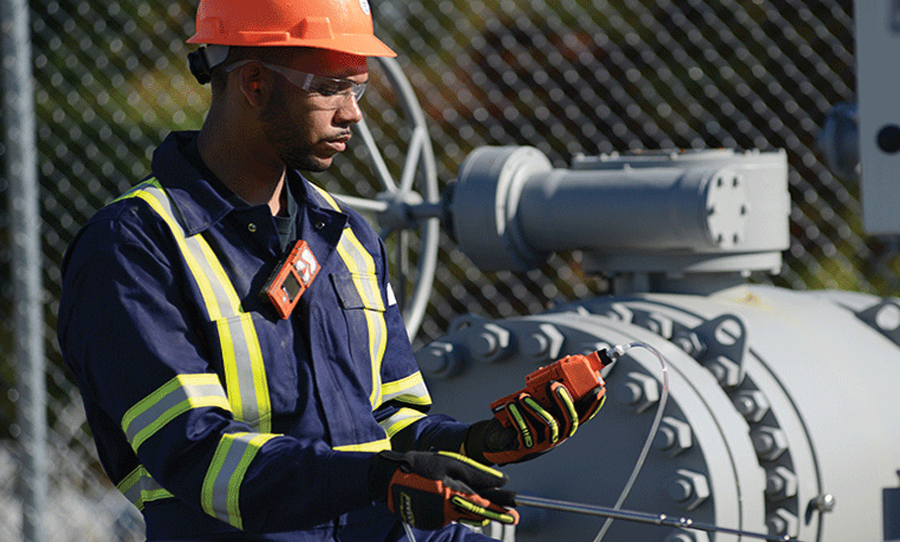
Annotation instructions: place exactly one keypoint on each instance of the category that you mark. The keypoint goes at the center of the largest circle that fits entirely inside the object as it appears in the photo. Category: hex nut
(657, 323)
(752, 404)
(489, 344)
(727, 372)
(637, 390)
(543, 344)
(781, 483)
(673, 436)
(782, 522)
(440, 359)
(690, 342)
(618, 311)
(688, 488)
(769, 442)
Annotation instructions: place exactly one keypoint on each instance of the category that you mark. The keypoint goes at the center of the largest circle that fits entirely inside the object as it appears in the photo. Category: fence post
(26, 269)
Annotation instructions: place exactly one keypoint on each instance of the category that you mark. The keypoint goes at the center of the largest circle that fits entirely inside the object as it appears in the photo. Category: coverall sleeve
(133, 344)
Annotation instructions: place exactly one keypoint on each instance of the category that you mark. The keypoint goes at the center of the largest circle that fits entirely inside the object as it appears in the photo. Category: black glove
(533, 428)
(428, 490)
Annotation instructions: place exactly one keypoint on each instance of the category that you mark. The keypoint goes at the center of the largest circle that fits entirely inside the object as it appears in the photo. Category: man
(241, 357)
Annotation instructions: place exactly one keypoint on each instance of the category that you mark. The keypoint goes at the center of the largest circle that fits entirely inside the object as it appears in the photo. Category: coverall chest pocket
(363, 308)
(358, 291)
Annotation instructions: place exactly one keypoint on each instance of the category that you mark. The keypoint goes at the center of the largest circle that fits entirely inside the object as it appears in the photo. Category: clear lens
(330, 91)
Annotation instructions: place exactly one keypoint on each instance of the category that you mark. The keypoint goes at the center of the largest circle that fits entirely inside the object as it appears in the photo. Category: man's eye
(330, 89)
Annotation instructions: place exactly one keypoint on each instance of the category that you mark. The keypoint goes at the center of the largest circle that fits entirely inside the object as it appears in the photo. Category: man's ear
(250, 80)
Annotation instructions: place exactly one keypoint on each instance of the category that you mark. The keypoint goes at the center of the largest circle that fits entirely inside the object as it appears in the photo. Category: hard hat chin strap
(203, 60)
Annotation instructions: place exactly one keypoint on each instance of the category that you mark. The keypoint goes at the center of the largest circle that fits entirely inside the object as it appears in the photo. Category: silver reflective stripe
(411, 390)
(221, 486)
(131, 488)
(245, 371)
(400, 420)
(140, 488)
(362, 272)
(172, 399)
(245, 376)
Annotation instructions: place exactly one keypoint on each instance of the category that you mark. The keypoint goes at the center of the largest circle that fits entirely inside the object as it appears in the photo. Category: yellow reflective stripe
(221, 487)
(400, 420)
(220, 294)
(474, 464)
(328, 197)
(159, 204)
(362, 271)
(411, 390)
(139, 488)
(374, 446)
(175, 397)
(258, 379)
(245, 371)
(130, 487)
(241, 353)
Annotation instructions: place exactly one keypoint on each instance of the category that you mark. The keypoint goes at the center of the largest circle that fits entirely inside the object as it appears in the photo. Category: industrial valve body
(767, 424)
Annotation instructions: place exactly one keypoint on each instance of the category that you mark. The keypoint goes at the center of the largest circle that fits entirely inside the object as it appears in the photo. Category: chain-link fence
(566, 76)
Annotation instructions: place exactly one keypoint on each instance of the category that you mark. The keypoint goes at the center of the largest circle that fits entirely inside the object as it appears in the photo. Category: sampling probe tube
(640, 517)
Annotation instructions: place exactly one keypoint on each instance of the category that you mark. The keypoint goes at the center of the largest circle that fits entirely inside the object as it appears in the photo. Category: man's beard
(283, 135)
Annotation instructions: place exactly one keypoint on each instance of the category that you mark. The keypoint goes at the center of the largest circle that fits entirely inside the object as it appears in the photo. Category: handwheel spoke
(364, 204)
(387, 181)
(413, 158)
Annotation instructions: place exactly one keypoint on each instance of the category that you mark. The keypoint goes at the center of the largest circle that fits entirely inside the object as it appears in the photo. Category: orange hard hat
(338, 25)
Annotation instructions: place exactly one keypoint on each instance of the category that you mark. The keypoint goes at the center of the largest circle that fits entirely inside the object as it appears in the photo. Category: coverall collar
(201, 205)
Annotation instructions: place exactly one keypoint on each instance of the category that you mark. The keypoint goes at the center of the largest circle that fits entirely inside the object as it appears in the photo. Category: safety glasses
(330, 91)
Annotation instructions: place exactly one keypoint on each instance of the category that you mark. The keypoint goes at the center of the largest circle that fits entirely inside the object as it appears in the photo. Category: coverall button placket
(260, 227)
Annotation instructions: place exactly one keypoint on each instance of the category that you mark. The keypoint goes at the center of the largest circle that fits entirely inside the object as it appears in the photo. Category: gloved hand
(535, 427)
(428, 490)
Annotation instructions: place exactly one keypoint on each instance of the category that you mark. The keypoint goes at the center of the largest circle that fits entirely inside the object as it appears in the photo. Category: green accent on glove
(564, 401)
(549, 421)
(431, 489)
(487, 513)
(533, 428)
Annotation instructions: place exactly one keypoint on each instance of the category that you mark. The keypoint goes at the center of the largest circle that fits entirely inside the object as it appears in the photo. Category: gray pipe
(25, 235)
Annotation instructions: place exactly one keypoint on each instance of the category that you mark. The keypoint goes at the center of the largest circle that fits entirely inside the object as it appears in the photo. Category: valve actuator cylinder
(511, 208)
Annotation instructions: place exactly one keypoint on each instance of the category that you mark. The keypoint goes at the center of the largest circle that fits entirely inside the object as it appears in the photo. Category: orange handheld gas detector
(579, 374)
(291, 278)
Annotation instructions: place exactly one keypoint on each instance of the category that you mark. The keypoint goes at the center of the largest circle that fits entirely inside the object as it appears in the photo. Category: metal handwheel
(400, 208)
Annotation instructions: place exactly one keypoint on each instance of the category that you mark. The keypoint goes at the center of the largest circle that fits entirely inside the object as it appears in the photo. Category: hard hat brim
(354, 44)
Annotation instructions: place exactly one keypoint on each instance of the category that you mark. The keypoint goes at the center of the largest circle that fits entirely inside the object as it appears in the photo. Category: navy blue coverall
(217, 418)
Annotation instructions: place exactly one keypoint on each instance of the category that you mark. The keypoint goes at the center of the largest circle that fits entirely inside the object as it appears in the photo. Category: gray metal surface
(664, 212)
(768, 423)
(878, 77)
